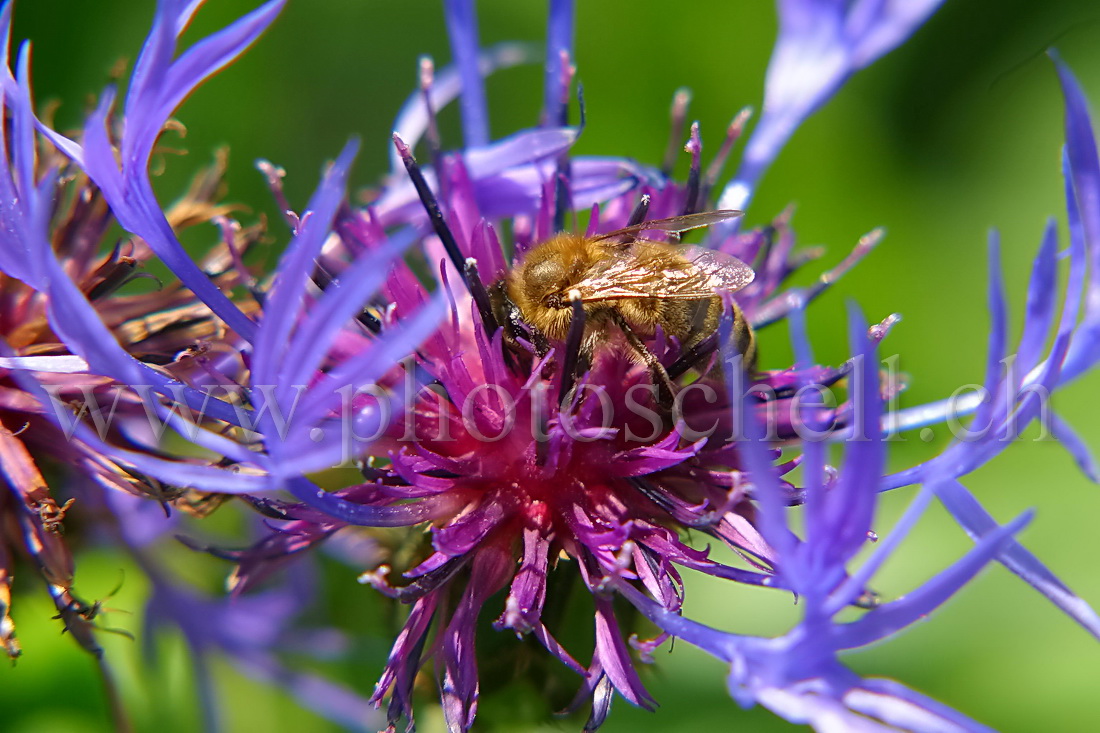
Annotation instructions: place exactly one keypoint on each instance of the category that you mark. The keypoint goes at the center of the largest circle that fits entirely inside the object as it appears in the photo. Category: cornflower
(377, 341)
(64, 309)
(56, 219)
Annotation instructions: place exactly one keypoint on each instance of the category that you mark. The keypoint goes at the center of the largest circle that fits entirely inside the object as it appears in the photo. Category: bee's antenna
(572, 347)
(695, 147)
(431, 206)
(680, 101)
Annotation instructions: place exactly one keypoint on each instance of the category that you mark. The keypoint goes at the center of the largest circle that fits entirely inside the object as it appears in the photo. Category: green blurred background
(956, 132)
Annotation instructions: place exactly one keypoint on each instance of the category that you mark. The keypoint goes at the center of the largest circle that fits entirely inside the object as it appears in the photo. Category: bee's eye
(544, 278)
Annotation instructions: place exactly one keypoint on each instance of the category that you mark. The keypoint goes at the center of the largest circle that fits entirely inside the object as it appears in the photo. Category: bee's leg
(542, 344)
(666, 393)
(701, 339)
(704, 341)
(694, 354)
(505, 311)
(508, 316)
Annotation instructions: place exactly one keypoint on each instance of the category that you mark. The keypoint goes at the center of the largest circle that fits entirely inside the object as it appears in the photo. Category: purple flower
(821, 44)
(61, 309)
(798, 675)
(70, 337)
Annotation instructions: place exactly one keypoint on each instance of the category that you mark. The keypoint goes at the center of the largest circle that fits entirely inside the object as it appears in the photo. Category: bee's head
(545, 281)
(540, 284)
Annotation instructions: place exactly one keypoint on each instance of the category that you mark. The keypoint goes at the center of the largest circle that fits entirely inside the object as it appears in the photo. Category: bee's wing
(675, 223)
(724, 271)
(627, 277)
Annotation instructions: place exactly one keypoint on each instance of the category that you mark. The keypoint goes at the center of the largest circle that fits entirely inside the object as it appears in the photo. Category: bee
(629, 287)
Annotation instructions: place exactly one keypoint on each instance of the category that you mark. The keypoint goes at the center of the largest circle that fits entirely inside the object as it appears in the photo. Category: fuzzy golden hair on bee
(628, 289)
(540, 284)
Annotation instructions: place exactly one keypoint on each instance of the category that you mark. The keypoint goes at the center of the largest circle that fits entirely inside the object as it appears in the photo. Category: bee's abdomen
(705, 317)
(744, 340)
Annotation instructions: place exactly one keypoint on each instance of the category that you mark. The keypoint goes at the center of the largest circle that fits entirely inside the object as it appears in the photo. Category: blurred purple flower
(821, 44)
(61, 307)
(69, 337)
